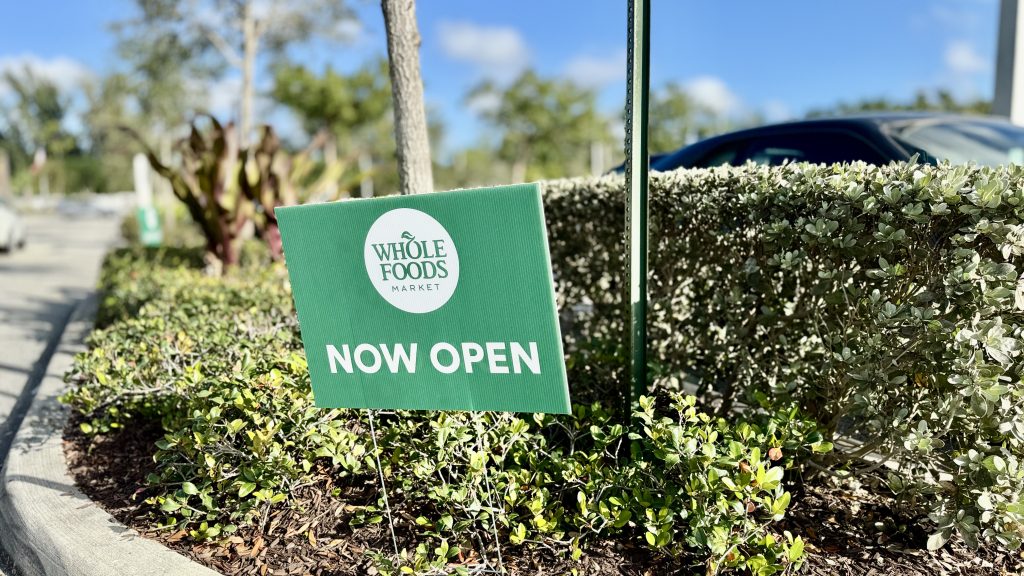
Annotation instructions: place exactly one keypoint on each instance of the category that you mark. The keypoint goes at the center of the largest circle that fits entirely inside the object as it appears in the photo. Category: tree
(939, 101)
(112, 105)
(165, 81)
(348, 107)
(469, 168)
(352, 109)
(12, 142)
(546, 126)
(164, 76)
(39, 113)
(35, 126)
(411, 133)
(677, 119)
(238, 30)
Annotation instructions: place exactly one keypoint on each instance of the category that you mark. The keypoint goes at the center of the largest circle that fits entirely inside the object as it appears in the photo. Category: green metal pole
(637, 91)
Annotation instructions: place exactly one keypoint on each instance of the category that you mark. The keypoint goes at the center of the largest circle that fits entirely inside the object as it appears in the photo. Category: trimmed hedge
(886, 301)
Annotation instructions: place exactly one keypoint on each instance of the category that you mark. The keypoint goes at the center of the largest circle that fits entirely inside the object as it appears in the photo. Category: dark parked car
(876, 139)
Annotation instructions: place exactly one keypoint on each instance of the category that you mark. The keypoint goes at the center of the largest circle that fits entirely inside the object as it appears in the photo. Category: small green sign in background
(150, 231)
(434, 301)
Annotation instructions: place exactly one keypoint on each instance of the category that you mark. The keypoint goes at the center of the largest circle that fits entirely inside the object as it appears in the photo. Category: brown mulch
(854, 529)
(848, 528)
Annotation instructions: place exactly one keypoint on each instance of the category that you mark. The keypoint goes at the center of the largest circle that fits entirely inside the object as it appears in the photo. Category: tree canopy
(546, 126)
(347, 105)
(37, 118)
(937, 101)
(211, 36)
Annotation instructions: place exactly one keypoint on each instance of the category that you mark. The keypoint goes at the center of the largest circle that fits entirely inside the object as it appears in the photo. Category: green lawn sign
(150, 233)
(437, 301)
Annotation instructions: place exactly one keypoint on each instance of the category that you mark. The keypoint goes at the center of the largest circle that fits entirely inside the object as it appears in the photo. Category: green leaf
(246, 488)
(796, 550)
(622, 518)
(772, 478)
(938, 539)
(780, 504)
(577, 553)
(518, 534)
(822, 447)
(995, 464)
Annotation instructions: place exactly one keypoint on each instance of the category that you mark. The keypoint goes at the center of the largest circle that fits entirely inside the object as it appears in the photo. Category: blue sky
(778, 58)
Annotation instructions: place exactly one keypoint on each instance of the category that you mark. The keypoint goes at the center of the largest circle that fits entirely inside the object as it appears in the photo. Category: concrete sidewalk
(48, 525)
(39, 287)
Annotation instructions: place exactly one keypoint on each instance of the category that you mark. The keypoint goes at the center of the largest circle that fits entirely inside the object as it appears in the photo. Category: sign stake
(484, 446)
(383, 486)
(637, 165)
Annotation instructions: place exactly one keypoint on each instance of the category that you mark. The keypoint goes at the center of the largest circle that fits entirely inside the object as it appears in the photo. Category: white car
(12, 231)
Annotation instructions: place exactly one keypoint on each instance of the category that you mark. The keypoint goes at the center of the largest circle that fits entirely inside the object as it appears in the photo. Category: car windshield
(986, 143)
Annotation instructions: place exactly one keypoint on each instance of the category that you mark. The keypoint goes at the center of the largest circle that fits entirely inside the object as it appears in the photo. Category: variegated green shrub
(886, 301)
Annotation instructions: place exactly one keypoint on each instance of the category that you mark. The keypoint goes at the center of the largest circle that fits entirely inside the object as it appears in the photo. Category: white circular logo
(411, 260)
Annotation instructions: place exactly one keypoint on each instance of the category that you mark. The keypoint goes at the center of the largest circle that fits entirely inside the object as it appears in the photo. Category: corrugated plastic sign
(439, 301)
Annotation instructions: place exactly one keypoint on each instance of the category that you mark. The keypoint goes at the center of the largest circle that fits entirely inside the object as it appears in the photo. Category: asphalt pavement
(40, 286)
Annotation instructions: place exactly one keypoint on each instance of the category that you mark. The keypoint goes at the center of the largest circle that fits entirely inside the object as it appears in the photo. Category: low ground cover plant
(806, 303)
(218, 362)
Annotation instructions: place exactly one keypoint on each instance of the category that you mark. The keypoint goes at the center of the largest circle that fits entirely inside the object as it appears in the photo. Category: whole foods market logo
(411, 260)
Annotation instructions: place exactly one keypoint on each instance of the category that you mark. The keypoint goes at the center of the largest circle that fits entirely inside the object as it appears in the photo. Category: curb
(50, 527)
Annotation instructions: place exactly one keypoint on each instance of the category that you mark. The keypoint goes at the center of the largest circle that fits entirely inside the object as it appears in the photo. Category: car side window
(827, 147)
(722, 155)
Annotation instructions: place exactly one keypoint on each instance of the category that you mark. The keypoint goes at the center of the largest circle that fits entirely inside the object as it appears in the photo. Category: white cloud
(66, 73)
(713, 93)
(484, 103)
(962, 59)
(966, 71)
(350, 30)
(597, 72)
(497, 52)
(973, 17)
